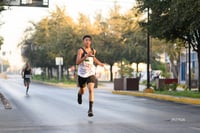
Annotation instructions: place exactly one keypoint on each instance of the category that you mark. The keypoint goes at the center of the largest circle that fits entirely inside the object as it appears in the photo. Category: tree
(177, 19)
(1, 9)
(2, 5)
(51, 37)
(109, 39)
(1, 41)
(108, 48)
(58, 35)
(171, 49)
(134, 38)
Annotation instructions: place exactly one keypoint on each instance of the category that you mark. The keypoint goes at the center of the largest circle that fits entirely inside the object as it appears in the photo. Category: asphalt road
(49, 109)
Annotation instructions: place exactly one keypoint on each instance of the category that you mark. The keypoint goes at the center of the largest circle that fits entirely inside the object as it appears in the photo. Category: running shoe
(90, 113)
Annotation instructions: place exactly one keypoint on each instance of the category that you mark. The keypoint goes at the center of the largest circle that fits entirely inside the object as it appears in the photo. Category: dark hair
(87, 36)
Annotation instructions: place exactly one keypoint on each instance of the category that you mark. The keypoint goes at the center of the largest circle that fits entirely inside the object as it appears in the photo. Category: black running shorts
(27, 80)
(83, 81)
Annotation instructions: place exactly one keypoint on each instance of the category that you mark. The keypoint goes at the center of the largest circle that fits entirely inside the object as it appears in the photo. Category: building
(184, 66)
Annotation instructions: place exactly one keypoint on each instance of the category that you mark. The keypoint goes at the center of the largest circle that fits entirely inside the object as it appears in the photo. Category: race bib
(89, 60)
(27, 76)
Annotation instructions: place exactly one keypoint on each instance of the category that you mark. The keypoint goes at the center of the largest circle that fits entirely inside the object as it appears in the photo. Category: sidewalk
(110, 86)
(140, 93)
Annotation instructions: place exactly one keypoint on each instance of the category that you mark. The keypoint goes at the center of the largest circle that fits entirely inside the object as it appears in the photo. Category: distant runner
(26, 74)
(86, 71)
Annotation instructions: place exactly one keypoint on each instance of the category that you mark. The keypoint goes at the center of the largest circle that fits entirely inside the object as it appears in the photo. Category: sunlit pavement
(49, 109)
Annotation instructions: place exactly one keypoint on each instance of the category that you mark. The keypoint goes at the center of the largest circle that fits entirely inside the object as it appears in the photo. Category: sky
(16, 20)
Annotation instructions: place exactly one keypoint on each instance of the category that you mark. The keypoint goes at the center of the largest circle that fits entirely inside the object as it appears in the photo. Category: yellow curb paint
(148, 90)
(161, 97)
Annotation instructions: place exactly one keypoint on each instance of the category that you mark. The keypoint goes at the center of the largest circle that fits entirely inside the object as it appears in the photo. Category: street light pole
(148, 52)
(189, 65)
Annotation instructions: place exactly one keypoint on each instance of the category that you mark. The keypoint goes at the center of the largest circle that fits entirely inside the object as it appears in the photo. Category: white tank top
(86, 68)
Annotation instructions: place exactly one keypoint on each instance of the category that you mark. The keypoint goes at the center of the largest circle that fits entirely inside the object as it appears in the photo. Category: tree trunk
(198, 54)
(111, 74)
(62, 73)
(174, 69)
(43, 74)
(57, 71)
(137, 67)
(67, 73)
(50, 73)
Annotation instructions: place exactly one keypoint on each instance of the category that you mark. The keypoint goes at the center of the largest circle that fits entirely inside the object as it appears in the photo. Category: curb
(160, 97)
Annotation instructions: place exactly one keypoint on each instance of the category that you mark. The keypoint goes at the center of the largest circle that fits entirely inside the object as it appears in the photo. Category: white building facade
(184, 66)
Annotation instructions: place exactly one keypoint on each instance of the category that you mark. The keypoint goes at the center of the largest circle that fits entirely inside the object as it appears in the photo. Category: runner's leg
(91, 91)
(80, 93)
(27, 85)
(91, 98)
(82, 85)
(25, 82)
(27, 88)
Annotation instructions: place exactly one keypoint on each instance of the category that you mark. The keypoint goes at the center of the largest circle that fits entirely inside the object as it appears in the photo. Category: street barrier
(126, 84)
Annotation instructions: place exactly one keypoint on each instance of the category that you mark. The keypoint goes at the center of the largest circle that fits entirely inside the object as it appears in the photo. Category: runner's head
(87, 36)
(27, 65)
(87, 40)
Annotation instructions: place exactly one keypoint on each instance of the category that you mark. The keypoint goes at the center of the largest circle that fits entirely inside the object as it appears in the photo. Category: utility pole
(148, 52)
(189, 66)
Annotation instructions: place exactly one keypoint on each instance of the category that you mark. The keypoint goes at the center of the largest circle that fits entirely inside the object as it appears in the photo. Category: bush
(184, 86)
(173, 86)
(169, 87)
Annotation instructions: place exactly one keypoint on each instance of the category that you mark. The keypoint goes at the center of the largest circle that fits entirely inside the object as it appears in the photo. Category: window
(183, 71)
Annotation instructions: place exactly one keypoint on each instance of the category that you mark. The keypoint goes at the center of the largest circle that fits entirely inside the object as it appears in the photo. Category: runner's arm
(79, 57)
(97, 61)
(31, 71)
(22, 73)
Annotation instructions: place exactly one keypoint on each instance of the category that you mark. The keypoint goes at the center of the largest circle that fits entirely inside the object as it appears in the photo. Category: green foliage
(125, 68)
(38, 77)
(114, 38)
(184, 86)
(157, 65)
(168, 87)
(1, 41)
(2, 5)
(133, 37)
(172, 49)
(166, 74)
(192, 94)
(1, 9)
(50, 38)
(53, 80)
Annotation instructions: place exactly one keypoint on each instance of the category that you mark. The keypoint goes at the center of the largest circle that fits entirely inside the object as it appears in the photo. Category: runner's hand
(90, 54)
(105, 69)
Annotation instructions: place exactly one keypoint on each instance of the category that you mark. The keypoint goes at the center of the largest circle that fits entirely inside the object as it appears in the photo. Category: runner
(26, 74)
(86, 71)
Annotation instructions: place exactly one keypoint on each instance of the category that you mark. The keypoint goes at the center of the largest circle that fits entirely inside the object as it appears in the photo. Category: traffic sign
(59, 60)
